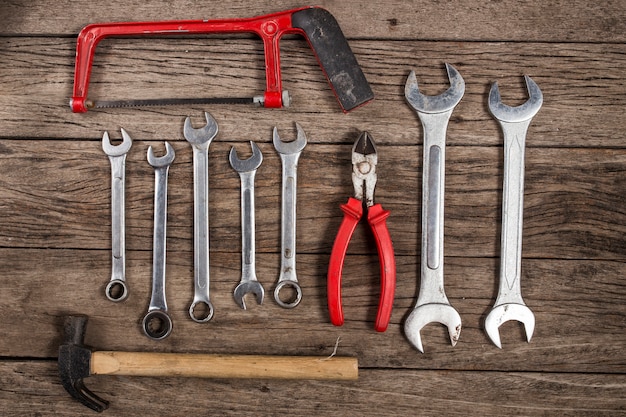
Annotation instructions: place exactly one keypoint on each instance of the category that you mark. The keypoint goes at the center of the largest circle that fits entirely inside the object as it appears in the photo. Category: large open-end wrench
(289, 155)
(157, 324)
(514, 122)
(246, 169)
(200, 139)
(117, 290)
(434, 113)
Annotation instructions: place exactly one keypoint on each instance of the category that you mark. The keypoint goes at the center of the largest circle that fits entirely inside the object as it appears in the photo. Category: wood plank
(584, 88)
(33, 388)
(59, 197)
(508, 20)
(578, 307)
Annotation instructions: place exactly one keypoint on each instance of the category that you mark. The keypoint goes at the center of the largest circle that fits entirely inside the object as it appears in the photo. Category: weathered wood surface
(55, 207)
(579, 111)
(575, 21)
(378, 392)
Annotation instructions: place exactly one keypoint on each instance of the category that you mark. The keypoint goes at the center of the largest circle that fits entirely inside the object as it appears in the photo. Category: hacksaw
(317, 25)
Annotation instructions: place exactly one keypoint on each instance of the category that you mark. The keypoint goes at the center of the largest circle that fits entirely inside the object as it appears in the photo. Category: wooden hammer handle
(223, 366)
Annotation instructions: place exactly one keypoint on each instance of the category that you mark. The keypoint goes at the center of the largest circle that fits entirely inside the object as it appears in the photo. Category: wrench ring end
(292, 301)
(116, 290)
(164, 327)
(206, 316)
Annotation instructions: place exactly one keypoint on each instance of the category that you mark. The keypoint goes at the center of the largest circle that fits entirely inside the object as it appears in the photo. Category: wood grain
(34, 389)
(578, 306)
(34, 102)
(55, 207)
(508, 20)
(59, 197)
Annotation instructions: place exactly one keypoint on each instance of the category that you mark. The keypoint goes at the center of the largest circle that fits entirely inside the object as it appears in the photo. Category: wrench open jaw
(246, 169)
(203, 135)
(117, 290)
(200, 139)
(162, 161)
(116, 150)
(292, 147)
(441, 103)
(432, 304)
(289, 154)
(524, 112)
(514, 122)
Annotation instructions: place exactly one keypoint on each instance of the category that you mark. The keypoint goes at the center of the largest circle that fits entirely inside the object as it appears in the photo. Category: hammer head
(74, 363)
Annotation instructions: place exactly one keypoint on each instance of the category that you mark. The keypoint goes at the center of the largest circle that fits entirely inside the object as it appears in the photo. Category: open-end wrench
(289, 154)
(434, 113)
(117, 290)
(200, 139)
(246, 169)
(157, 324)
(514, 122)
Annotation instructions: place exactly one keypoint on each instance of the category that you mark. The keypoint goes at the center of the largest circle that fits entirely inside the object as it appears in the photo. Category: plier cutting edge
(364, 161)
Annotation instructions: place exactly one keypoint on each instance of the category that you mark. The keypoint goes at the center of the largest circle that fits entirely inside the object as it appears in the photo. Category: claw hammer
(77, 362)
(317, 25)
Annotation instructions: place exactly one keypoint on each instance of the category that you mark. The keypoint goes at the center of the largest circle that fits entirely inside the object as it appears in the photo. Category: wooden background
(55, 207)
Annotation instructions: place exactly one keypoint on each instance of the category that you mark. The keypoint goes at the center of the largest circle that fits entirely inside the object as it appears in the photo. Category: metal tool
(317, 25)
(434, 113)
(157, 324)
(77, 361)
(514, 122)
(289, 155)
(200, 139)
(364, 177)
(117, 290)
(247, 170)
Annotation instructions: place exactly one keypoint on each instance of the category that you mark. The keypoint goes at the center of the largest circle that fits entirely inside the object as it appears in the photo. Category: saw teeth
(169, 102)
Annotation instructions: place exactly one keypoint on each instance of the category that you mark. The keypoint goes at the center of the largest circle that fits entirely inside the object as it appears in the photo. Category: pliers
(364, 160)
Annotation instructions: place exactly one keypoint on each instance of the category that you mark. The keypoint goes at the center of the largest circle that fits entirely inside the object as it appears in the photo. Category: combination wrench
(200, 139)
(514, 122)
(434, 113)
(246, 169)
(157, 324)
(117, 290)
(289, 155)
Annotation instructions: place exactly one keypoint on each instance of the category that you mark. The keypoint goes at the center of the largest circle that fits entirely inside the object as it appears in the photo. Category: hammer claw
(74, 364)
(90, 399)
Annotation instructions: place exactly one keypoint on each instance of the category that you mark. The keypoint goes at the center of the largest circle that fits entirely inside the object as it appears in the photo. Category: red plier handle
(377, 219)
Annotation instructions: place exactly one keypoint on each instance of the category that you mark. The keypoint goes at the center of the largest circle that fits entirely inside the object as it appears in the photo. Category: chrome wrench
(434, 113)
(117, 290)
(289, 155)
(514, 122)
(200, 139)
(247, 171)
(157, 324)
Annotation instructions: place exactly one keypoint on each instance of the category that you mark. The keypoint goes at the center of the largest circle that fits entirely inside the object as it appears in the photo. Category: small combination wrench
(157, 324)
(289, 155)
(200, 139)
(434, 113)
(246, 169)
(117, 290)
(514, 122)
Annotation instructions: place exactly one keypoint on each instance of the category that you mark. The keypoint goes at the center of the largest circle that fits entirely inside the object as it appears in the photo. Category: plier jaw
(364, 161)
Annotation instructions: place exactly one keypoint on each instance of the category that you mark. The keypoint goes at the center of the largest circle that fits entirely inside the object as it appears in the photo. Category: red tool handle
(270, 28)
(353, 210)
(377, 218)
